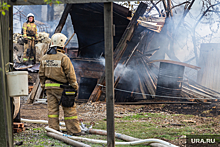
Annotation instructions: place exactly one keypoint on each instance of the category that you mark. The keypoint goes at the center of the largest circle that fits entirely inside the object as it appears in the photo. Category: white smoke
(102, 61)
(122, 70)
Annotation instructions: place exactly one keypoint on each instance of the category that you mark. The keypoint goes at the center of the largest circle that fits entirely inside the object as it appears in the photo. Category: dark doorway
(86, 87)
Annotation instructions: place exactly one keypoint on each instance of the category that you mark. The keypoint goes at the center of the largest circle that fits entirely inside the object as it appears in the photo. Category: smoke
(102, 61)
(185, 49)
(122, 70)
(181, 49)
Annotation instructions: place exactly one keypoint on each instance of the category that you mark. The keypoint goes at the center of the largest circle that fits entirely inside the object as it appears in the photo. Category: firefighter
(55, 70)
(29, 31)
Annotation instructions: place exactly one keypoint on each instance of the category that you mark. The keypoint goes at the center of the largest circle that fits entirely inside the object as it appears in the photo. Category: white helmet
(58, 40)
(30, 15)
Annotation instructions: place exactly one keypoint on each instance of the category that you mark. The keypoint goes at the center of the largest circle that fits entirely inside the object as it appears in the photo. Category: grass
(144, 115)
(143, 126)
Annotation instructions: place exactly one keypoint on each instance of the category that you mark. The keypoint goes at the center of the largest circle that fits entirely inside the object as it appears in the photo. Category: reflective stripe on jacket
(58, 67)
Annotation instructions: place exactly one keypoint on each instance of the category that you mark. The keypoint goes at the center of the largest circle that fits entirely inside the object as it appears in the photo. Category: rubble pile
(18, 38)
(42, 45)
(43, 37)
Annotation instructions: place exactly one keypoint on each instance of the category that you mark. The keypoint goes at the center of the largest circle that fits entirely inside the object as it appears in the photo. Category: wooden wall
(6, 139)
(209, 61)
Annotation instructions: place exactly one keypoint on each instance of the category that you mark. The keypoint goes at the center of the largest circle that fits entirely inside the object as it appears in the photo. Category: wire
(156, 95)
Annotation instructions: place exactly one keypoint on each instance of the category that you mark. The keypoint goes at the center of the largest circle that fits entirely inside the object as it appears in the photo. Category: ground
(168, 122)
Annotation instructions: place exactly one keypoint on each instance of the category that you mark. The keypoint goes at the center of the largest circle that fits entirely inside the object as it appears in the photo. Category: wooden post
(6, 139)
(109, 72)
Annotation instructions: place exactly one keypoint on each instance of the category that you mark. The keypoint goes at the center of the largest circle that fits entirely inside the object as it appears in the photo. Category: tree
(178, 34)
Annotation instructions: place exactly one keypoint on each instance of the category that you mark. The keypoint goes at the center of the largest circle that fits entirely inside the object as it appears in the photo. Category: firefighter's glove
(75, 86)
(25, 40)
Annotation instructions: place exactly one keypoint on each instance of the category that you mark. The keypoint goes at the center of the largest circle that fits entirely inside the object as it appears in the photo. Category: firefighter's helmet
(58, 40)
(30, 15)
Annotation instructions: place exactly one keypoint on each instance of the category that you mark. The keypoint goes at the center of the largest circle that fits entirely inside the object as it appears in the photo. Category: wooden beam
(63, 19)
(177, 63)
(41, 2)
(109, 72)
(6, 138)
(34, 91)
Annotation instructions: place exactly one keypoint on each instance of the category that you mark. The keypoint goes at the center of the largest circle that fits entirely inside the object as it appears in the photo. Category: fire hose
(132, 140)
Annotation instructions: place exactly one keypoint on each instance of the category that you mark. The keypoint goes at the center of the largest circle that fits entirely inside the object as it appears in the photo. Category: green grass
(144, 115)
(143, 126)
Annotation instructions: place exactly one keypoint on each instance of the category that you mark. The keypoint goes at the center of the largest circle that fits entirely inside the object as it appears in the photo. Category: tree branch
(204, 13)
(180, 4)
(194, 30)
(165, 6)
(154, 5)
(184, 14)
(169, 8)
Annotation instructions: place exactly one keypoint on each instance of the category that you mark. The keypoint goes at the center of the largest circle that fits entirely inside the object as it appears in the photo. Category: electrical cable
(122, 90)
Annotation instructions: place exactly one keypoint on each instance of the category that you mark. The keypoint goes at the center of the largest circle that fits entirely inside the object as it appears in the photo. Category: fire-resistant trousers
(70, 113)
(30, 45)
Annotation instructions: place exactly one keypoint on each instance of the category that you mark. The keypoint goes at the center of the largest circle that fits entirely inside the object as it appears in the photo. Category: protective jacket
(29, 33)
(30, 30)
(57, 67)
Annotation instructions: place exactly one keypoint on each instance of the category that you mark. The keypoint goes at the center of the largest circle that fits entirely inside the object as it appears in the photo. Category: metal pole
(109, 72)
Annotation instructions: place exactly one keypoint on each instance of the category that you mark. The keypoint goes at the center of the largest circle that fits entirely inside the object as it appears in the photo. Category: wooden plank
(209, 76)
(142, 88)
(18, 130)
(34, 91)
(109, 72)
(119, 50)
(63, 19)
(18, 125)
(41, 2)
(178, 63)
(39, 92)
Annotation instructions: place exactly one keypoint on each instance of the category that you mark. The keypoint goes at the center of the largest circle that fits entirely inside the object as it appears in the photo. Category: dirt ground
(166, 118)
(205, 118)
(97, 110)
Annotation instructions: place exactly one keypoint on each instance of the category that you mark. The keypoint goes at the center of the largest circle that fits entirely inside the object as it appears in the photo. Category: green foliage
(50, 2)
(4, 7)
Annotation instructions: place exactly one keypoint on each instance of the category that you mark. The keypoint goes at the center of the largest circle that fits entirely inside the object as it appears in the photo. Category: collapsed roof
(88, 23)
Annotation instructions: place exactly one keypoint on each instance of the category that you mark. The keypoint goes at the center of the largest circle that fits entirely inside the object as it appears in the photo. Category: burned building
(137, 77)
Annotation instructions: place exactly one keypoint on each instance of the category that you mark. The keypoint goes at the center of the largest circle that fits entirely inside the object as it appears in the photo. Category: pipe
(152, 140)
(104, 133)
(133, 141)
(67, 140)
(117, 135)
(39, 121)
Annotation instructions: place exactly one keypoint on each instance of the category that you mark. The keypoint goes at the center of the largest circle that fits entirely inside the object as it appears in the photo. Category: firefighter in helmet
(55, 70)
(29, 31)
